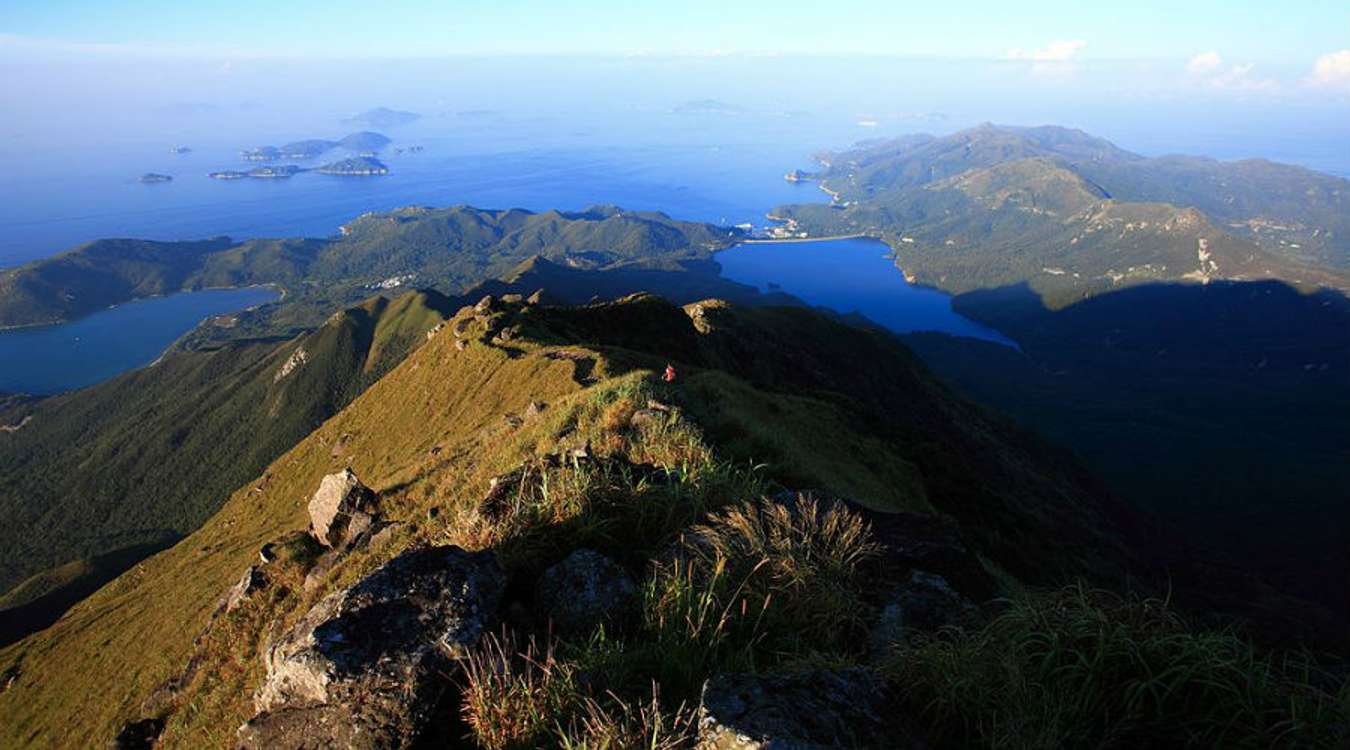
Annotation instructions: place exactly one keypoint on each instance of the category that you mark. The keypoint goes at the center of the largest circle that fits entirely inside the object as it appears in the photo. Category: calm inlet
(49, 359)
(850, 276)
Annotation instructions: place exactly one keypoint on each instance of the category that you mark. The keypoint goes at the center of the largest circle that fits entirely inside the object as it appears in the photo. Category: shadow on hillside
(35, 615)
(1222, 409)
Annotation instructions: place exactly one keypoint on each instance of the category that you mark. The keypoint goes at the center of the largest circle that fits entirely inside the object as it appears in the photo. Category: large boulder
(809, 710)
(367, 664)
(584, 590)
(339, 496)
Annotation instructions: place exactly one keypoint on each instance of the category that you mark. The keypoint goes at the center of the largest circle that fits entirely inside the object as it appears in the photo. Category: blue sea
(725, 169)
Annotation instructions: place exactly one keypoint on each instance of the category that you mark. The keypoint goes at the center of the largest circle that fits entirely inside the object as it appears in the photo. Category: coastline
(274, 286)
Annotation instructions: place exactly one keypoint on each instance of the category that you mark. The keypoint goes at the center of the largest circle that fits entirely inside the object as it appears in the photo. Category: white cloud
(1205, 62)
(1332, 69)
(1059, 51)
(1210, 69)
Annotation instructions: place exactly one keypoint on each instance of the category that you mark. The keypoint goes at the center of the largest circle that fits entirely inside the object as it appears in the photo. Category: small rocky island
(258, 173)
(153, 177)
(384, 117)
(274, 173)
(180, 150)
(798, 175)
(261, 153)
(360, 166)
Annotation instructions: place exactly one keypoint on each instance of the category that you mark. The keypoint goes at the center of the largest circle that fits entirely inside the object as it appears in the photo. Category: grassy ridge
(431, 434)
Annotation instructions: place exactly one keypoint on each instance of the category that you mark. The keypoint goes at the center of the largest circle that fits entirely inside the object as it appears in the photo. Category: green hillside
(447, 249)
(1074, 216)
(602, 455)
(773, 387)
(151, 454)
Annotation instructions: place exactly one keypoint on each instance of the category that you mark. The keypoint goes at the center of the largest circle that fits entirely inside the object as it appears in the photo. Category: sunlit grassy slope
(776, 389)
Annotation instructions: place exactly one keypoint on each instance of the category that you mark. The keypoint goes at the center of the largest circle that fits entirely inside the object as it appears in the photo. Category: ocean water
(48, 359)
(720, 168)
(850, 276)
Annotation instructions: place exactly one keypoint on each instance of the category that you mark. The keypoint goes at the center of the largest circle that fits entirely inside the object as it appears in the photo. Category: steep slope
(150, 455)
(771, 386)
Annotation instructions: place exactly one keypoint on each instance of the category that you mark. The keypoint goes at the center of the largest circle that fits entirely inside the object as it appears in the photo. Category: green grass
(1088, 668)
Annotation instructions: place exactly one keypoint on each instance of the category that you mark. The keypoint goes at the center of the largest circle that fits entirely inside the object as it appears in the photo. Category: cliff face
(589, 450)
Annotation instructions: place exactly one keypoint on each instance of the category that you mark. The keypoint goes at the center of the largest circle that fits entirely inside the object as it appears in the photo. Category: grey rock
(584, 590)
(808, 710)
(924, 603)
(366, 666)
(644, 419)
(252, 581)
(338, 497)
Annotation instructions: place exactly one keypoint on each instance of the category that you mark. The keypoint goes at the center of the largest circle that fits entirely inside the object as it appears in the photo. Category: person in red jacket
(669, 377)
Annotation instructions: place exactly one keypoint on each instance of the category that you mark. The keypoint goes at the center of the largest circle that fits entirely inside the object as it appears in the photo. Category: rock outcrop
(584, 590)
(138, 735)
(338, 498)
(924, 603)
(820, 708)
(366, 665)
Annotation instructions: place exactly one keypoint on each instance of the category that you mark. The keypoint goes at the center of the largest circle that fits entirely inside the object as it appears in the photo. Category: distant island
(307, 149)
(384, 117)
(151, 177)
(261, 173)
(364, 143)
(360, 166)
(178, 150)
(409, 150)
(261, 153)
(798, 175)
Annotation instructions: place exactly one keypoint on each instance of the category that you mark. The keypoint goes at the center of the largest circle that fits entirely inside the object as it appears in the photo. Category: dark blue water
(850, 276)
(49, 359)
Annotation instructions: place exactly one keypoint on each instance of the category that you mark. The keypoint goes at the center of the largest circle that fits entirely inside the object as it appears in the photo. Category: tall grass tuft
(513, 696)
(616, 724)
(799, 563)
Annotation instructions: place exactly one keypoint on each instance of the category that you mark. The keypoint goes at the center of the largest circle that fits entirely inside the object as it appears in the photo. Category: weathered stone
(315, 728)
(338, 497)
(375, 656)
(537, 298)
(584, 590)
(924, 603)
(252, 581)
(138, 735)
(267, 553)
(808, 710)
(486, 304)
(513, 299)
(645, 419)
(461, 345)
(534, 409)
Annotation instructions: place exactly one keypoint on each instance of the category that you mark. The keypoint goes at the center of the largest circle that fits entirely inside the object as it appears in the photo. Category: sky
(1295, 33)
(1180, 74)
